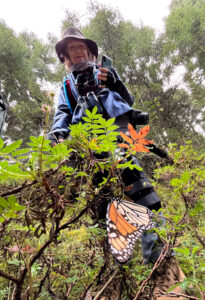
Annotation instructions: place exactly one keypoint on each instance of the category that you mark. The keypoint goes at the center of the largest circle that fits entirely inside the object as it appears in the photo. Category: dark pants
(151, 246)
(142, 193)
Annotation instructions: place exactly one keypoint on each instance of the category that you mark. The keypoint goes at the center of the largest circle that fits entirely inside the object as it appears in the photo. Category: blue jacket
(116, 103)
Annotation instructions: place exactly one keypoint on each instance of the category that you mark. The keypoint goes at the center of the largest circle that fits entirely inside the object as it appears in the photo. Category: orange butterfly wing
(121, 235)
(122, 232)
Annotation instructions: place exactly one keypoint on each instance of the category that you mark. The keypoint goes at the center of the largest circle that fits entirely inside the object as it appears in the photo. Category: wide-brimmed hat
(74, 33)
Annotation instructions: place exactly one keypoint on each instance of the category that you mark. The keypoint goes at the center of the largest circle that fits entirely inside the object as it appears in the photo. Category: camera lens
(142, 118)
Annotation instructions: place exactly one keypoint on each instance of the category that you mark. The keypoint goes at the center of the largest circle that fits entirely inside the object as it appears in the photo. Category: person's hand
(54, 143)
(107, 77)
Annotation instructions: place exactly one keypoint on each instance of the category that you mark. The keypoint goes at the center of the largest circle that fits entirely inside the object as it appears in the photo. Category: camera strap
(71, 101)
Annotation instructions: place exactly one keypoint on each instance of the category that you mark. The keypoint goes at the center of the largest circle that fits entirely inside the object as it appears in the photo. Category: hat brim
(92, 46)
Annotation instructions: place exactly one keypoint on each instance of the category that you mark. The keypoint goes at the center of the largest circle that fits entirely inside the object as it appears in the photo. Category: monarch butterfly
(125, 224)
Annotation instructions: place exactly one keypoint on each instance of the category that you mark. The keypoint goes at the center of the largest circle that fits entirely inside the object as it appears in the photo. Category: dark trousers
(141, 192)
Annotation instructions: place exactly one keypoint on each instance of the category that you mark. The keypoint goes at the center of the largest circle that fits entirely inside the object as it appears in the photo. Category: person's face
(77, 51)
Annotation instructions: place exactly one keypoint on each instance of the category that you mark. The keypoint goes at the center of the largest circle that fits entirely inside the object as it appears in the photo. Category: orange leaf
(122, 145)
(146, 142)
(139, 148)
(133, 132)
(126, 138)
(28, 249)
(144, 131)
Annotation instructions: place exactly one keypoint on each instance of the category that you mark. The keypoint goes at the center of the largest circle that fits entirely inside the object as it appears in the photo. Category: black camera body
(141, 118)
(85, 80)
(88, 90)
(89, 101)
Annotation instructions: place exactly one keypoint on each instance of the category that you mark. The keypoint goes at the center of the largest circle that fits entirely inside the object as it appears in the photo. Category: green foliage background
(52, 242)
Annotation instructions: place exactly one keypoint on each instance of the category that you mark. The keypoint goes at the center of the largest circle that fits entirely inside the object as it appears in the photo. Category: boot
(167, 275)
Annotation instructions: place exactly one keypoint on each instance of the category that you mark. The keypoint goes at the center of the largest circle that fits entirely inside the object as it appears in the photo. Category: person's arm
(62, 119)
(112, 80)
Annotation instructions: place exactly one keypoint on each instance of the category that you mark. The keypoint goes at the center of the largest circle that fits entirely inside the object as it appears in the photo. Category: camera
(85, 81)
(89, 101)
(138, 118)
(87, 87)
(141, 118)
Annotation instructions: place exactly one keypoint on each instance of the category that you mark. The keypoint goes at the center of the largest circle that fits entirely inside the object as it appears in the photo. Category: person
(79, 56)
(76, 52)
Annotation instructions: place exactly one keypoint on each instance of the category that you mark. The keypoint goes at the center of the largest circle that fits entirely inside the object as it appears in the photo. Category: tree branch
(104, 287)
(64, 226)
(9, 277)
(199, 238)
(174, 295)
(164, 252)
(38, 254)
(28, 184)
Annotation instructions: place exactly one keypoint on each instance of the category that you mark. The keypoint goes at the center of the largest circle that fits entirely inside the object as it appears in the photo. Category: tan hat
(74, 33)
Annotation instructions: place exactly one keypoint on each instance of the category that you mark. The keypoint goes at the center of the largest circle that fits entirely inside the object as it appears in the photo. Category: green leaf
(98, 122)
(87, 119)
(11, 199)
(60, 151)
(15, 262)
(112, 138)
(2, 219)
(186, 283)
(12, 147)
(10, 214)
(175, 182)
(184, 251)
(176, 218)
(72, 279)
(68, 170)
(21, 151)
(88, 113)
(18, 207)
(81, 174)
(98, 131)
(110, 122)
(97, 126)
(199, 208)
(102, 137)
(173, 287)
(194, 250)
(1, 143)
(13, 172)
(3, 202)
(112, 128)
(129, 165)
(94, 111)
(103, 122)
(36, 140)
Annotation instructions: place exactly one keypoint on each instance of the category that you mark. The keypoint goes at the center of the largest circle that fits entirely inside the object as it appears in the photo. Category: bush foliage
(53, 244)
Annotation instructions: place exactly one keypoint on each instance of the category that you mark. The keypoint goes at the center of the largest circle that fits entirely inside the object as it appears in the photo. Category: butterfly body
(125, 224)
